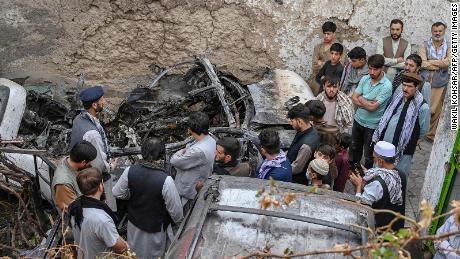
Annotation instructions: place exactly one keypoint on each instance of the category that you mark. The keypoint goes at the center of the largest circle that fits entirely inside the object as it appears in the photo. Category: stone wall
(115, 40)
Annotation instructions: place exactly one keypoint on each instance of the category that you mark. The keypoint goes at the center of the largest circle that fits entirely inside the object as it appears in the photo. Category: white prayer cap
(385, 149)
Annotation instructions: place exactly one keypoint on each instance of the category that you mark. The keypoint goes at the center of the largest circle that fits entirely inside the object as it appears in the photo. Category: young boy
(317, 170)
(327, 153)
(332, 68)
(343, 141)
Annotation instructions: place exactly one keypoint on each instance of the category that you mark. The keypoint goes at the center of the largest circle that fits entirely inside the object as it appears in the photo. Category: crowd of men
(373, 109)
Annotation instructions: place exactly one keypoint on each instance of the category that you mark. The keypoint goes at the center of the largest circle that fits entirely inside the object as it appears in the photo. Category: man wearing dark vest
(65, 187)
(153, 202)
(405, 121)
(394, 48)
(383, 187)
(413, 64)
(87, 127)
(303, 145)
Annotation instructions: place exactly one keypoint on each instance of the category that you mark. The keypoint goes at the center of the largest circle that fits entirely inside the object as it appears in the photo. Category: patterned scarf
(343, 110)
(99, 129)
(409, 120)
(268, 165)
(432, 54)
(391, 179)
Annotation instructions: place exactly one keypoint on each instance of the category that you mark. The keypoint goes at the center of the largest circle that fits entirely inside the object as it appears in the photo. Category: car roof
(226, 220)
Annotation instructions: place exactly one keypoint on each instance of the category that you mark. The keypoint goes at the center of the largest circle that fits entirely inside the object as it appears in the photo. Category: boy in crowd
(333, 67)
(317, 170)
(341, 160)
(327, 153)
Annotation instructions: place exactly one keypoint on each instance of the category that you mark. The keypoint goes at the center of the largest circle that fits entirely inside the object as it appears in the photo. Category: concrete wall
(115, 40)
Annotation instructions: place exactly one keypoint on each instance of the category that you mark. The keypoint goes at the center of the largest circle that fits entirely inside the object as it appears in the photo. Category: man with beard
(321, 53)
(404, 121)
(86, 126)
(394, 48)
(371, 97)
(227, 152)
(339, 108)
(304, 144)
(435, 54)
(412, 65)
(383, 187)
(64, 184)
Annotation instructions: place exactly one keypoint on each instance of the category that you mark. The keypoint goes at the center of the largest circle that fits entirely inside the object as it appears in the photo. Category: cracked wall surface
(114, 41)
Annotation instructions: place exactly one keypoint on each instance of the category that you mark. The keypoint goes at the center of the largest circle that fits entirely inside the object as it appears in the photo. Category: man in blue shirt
(276, 164)
(370, 97)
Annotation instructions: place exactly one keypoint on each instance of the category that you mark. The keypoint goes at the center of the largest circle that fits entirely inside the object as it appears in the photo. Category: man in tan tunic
(321, 54)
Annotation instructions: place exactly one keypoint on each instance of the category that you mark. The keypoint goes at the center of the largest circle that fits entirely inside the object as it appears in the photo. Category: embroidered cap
(385, 149)
(320, 166)
(91, 94)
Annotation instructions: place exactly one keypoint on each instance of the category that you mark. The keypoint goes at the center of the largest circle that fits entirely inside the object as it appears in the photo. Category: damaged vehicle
(157, 109)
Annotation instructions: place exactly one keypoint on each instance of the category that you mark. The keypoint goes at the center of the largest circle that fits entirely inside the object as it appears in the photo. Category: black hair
(357, 53)
(343, 140)
(326, 150)
(396, 21)
(83, 151)
(299, 111)
(337, 47)
(152, 149)
(390, 160)
(231, 146)
(436, 24)
(198, 122)
(329, 27)
(376, 61)
(333, 80)
(87, 105)
(270, 141)
(416, 58)
(317, 108)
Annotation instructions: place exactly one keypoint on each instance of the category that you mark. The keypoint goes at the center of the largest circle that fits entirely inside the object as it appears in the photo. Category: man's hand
(113, 163)
(357, 181)
(400, 59)
(198, 186)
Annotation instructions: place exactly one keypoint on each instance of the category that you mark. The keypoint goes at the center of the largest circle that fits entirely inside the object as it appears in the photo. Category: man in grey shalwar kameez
(153, 202)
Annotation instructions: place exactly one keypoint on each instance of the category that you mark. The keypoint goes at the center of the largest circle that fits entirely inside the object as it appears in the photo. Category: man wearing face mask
(435, 54)
(64, 182)
(86, 126)
(383, 187)
(394, 48)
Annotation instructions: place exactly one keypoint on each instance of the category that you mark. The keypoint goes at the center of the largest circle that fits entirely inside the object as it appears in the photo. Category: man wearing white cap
(383, 187)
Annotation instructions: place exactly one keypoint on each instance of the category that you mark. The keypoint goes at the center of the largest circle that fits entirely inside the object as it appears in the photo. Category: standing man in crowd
(153, 202)
(383, 187)
(194, 163)
(64, 182)
(227, 153)
(339, 108)
(87, 127)
(93, 222)
(275, 165)
(325, 131)
(435, 54)
(321, 53)
(413, 65)
(371, 97)
(303, 145)
(354, 70)
(404, 121)
(394, 48)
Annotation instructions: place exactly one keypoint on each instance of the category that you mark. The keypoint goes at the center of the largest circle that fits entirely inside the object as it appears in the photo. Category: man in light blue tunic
(405, 121)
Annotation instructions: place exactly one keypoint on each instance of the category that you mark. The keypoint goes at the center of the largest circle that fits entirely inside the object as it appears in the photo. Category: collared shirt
(381, 92)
